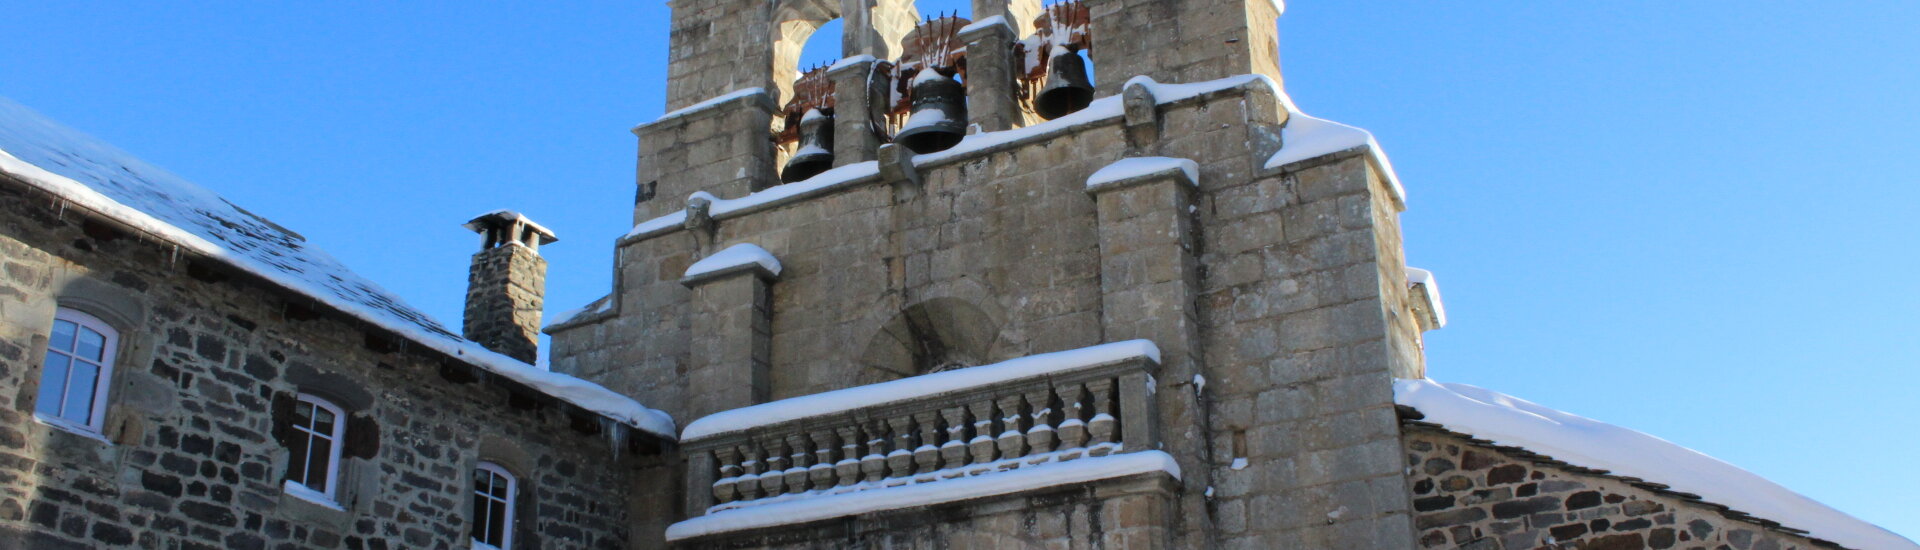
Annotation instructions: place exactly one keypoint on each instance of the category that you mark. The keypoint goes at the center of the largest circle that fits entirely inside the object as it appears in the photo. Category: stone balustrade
(1071, 409)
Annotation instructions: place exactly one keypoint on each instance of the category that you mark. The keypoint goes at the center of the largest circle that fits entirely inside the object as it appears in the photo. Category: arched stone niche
(870, 27)
(935, 335)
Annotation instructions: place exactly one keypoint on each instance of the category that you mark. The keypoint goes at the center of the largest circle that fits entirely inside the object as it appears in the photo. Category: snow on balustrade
(1031, 412)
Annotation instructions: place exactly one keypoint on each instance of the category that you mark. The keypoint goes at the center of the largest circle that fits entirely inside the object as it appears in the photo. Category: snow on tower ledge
(731, 260)
(1131, 170)
(1509, 421)
(93, 175)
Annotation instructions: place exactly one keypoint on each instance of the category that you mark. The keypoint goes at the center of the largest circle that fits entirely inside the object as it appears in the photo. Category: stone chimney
(507, 285)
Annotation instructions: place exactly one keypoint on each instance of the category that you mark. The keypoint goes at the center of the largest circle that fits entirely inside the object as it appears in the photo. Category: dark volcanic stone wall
(207, 356)
(1470, 495)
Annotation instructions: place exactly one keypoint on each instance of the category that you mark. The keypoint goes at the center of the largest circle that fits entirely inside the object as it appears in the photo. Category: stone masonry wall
(1470, 495)
(207, 355)
(1298, 273)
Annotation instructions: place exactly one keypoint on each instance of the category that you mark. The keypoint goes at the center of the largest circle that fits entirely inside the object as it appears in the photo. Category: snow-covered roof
(91, 174)
(1509, 421)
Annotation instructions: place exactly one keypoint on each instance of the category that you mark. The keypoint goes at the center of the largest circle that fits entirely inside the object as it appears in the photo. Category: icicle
(173, 258)
(616, 435)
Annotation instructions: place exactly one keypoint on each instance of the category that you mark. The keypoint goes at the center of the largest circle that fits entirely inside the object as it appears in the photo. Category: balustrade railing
(926, 429)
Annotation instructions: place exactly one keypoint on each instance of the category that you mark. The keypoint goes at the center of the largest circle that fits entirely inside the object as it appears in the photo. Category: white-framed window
(75, 373)
(313, 464)
(494, 490)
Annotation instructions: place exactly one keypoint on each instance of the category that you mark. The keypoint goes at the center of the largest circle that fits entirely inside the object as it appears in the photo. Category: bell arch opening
(937, 335)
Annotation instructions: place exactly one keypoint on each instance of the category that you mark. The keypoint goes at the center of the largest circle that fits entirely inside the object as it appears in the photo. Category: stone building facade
(1177, 316)
(191, 448)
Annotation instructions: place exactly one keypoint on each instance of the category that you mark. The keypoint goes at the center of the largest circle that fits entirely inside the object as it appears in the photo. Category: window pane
(500, 487)
(53, 384)
(303, 414)
(323, 422)
(79, 403)
(318, 467)
(91, 344)
(480, 516)
(297, 458)
(496, 523)
(63, 335)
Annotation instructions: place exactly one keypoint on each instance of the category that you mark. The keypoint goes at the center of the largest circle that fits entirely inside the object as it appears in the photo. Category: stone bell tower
(1256, 249)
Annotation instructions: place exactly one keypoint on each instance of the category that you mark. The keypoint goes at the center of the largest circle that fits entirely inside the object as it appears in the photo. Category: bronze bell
(939, 115)
(814, 153)
(1067, 88)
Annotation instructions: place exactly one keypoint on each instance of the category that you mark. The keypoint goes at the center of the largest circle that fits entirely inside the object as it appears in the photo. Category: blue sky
(1695, 219)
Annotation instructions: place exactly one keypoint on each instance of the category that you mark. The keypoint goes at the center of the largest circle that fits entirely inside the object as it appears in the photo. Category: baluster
(771, 482)
(874, 463)
(749, 482)
(821, 473)
(848, 468)
(981, 446)
(1102, 425)
(797, 463)
(723, 489)
(1073, 430)
(1040, 437)
(953, 452)
(900, 459)
(926, 456)
(1012, 443)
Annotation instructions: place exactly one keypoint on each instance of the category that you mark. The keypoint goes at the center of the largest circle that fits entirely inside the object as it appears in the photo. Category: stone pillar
(859, 96)
(1148, 272)
(731, 337)
(507, 285)
(1182, 40)
(990, 85)
(1149, 278)
(723, 147)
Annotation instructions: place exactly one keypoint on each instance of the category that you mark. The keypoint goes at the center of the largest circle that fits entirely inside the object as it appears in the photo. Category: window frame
(103, 380)
(336, 440)
(507, 511)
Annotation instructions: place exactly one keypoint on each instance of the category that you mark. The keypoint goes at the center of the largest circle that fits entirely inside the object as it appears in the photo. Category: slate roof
(96, 176)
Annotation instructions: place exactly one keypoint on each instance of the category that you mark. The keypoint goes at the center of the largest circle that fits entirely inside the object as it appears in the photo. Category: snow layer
(87, 172)
(819, 183)
(1306, 136)
(846, 61)
(716, 100)
(735, 256)
(1417, 276)
(906, 389)
(602, 304)
(1590, 443)
(1000, 20)
(801, 510)
(1133, 167)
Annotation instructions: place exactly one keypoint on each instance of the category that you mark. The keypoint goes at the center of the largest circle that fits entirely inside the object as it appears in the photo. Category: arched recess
(932, 336)
(871, 27)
